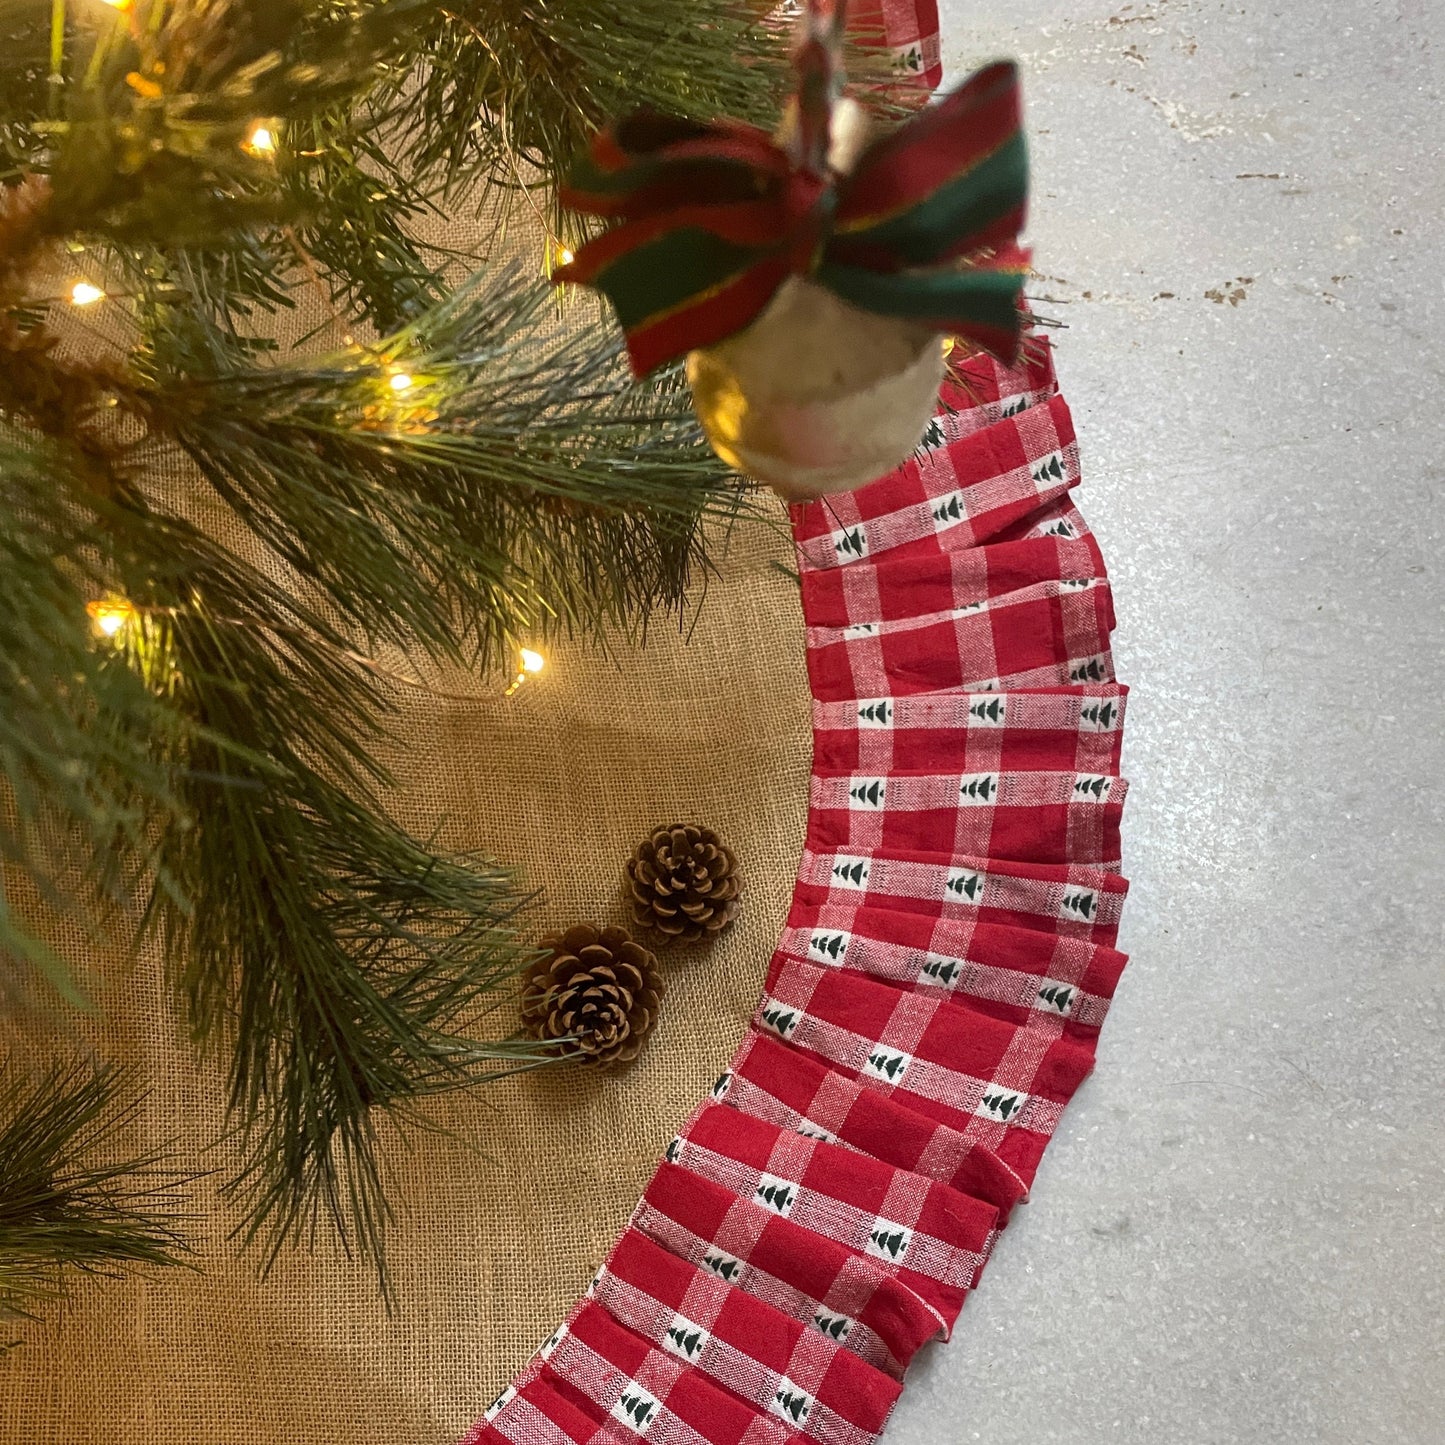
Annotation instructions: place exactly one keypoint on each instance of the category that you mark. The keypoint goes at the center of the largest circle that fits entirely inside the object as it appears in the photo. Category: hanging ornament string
(708, 220)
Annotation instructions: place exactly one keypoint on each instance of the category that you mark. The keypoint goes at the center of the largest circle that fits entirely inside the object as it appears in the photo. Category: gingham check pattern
(1012, 973)
(1035, 637)
(1049, 729)
(798, 1372)
(939, 985)
(981, 391)
(800, 1273)
(926, 586)
(800, 1092)
(950, 498)
(613, 1374)
(1035, 817)
(934, 1239)
(1000, 1084)
(1076, 901)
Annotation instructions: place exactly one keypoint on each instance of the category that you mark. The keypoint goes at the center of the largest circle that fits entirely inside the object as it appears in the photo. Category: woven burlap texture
(710, 724)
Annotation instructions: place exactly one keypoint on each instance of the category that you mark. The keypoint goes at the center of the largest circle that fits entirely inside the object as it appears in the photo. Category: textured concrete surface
(1239, 1235)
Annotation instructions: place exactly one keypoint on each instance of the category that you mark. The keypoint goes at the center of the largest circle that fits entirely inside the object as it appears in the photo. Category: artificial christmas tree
(215, 545)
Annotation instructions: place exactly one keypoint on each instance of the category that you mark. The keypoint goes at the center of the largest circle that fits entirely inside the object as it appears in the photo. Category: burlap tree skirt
(563, 779)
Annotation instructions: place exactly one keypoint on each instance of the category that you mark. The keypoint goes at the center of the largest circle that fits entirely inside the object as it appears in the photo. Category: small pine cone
(684, 882)
(596, 988)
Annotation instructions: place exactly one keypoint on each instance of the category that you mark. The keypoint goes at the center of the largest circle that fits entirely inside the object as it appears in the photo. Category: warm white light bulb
(110, 617)
(261, 141)
(400, 381)
(83, 294)
(532, 661)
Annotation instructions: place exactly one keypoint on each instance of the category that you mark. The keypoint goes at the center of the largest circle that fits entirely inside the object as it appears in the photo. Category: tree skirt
(936, 994)
(503, 1217)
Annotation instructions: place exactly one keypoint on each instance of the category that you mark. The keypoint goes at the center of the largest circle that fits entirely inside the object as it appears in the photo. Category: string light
(401, 381)
(261, 141)
(110, 616)
(84, 294)
(118, 4)
(531, 664)
(558, 255)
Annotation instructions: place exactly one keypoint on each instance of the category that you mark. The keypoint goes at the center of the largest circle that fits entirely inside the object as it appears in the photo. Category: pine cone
(684, 882)
(596, 985)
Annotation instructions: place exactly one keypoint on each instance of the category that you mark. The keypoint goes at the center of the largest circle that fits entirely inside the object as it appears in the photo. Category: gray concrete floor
(1239, 1235)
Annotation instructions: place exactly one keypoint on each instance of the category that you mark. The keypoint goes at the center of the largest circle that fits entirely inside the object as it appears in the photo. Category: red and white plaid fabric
(1007, 971)
(901, 590)
(800, 1092)
(805, 1275)
(780, 1365)
(1077, 727)
(1035, 817)
(1075, 901)
(1040, 636)
(939, 985)
(1001, 1084)
(952, 497)
(932, 1238)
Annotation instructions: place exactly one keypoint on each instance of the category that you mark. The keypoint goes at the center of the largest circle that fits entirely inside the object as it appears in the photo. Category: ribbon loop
(709, 219)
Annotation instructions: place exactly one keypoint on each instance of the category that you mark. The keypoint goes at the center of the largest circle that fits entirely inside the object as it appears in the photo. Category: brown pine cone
(684, 882)
(599, 987)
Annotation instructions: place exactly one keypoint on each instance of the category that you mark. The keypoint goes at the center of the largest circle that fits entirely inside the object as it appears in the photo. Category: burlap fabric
(505, 1220)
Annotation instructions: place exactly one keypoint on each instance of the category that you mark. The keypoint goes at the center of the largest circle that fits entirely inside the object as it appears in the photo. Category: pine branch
(515, 484)
(79, 729)
(67, 1205)
(25, 87)
(357, 212)
(502, 81)
(341, 961)
(344, 958)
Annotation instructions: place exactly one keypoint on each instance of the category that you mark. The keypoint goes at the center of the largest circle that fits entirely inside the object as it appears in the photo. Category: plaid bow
(710, 219)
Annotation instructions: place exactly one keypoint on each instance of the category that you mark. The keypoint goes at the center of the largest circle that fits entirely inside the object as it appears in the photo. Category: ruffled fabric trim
(939, 985)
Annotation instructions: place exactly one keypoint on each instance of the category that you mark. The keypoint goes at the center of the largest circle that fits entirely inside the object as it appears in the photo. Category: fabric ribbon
(710, 219)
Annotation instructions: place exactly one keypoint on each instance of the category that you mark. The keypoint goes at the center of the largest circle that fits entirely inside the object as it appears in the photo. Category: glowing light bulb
(532, 664)
(84, 294)
(110, 616)
(564, 256)
(400, 381)
(118, 4)
(261, 141)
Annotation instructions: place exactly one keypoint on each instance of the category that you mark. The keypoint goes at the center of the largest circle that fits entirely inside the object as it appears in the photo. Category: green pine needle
(517, 485)
(68, 1205)
(79, 729)
(507, 88)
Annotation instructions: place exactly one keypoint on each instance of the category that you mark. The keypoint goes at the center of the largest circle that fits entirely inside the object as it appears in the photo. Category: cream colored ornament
(817, 395)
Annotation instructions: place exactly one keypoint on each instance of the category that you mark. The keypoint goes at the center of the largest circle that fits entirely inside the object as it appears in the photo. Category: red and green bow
(711, 219)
